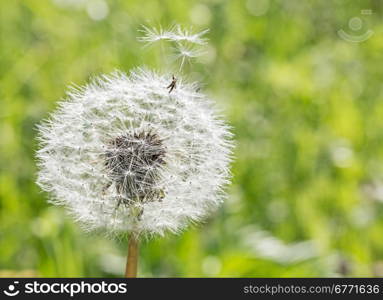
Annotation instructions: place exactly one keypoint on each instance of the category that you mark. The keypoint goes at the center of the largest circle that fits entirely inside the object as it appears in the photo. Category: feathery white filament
(174, 34)
(186, 53)
(184, 42)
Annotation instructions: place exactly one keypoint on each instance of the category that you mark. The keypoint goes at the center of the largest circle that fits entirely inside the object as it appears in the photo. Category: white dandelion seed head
(125, 155)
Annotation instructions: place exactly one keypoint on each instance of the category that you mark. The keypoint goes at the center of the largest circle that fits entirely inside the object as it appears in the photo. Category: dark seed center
(133, 162)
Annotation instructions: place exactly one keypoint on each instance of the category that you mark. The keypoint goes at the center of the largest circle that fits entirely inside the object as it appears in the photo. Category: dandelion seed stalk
(132, 260)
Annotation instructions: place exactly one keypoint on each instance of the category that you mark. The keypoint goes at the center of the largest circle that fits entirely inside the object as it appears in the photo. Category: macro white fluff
(185, 42)
(175, 34)
(73, 142)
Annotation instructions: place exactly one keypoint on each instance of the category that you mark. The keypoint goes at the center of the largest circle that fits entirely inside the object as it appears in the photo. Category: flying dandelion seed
(185, 42)
(186, 54)
(175, 34)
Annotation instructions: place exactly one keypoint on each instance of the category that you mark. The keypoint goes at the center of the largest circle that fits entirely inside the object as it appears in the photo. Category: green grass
(306, 107)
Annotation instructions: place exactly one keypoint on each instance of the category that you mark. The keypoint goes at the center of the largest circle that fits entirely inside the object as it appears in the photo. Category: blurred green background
(299, 81)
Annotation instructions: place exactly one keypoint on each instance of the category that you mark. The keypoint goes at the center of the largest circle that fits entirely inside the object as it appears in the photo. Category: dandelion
(122, 154)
